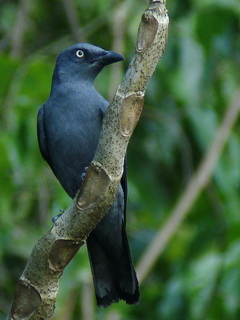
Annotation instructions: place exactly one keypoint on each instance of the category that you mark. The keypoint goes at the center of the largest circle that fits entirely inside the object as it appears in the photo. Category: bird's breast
(73, 127)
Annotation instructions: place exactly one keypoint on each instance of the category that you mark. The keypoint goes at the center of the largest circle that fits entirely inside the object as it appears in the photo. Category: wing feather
(41, 134)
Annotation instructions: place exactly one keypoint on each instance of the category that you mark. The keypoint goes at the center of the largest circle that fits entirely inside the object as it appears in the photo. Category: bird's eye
(79, 53)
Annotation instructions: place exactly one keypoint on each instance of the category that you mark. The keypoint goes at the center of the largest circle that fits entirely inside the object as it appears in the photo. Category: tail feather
(113, 273)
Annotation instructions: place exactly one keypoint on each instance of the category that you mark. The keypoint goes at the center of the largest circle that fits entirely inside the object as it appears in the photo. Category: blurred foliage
(198, 276)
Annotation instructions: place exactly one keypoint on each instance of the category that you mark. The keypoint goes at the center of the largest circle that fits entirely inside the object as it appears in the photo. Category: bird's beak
(108, 57)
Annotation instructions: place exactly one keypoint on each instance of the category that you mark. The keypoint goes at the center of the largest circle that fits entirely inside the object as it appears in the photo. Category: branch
(118, 19)
(87, 301)
(73, 20)
(192, 191)
(19, 28)
(37, 288)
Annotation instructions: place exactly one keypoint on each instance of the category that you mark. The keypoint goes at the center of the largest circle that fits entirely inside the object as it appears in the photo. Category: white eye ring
(79, 53)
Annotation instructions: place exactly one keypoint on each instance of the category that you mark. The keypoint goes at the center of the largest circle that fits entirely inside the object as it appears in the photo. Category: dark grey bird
(69, 126)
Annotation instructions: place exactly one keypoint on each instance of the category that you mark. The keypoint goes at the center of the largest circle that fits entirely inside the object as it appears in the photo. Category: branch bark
(38, 286)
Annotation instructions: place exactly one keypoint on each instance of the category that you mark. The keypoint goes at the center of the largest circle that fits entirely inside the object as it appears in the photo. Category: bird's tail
(113, 272)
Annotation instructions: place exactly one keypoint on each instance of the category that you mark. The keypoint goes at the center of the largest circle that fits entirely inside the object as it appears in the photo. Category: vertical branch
(73, 20)
(43, 200)
(87, 301)
(69, 305)
(113, 315)
(118, 21)
(19, 29)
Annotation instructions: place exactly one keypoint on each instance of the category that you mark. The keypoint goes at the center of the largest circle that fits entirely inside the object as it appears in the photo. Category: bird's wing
(42, 140)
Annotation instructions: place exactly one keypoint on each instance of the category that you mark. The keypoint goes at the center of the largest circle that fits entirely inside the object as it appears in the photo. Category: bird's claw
(55, 219)
(84, 173)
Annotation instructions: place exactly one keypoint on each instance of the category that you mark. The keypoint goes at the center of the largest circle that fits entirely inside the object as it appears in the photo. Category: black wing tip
(106, 301)
(129, 298)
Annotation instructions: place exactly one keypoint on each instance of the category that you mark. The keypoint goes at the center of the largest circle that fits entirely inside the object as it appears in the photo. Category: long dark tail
(113, 272)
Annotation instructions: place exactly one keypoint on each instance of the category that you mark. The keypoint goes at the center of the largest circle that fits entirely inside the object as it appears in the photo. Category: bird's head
(83, 61)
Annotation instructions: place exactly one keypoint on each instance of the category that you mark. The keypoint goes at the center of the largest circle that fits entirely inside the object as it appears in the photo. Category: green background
(197, 277)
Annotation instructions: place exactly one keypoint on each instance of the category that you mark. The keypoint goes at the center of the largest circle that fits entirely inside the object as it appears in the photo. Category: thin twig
(87, 301)
(19, 29)
(192, 191)
(73, 20)
(114, 315)
(118, 22)
(69, 305)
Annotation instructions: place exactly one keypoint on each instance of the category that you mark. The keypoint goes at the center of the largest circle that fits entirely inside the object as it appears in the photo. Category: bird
(68, 128)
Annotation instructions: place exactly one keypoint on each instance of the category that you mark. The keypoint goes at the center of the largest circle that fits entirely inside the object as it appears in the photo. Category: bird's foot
(54, 219)
(84, 173)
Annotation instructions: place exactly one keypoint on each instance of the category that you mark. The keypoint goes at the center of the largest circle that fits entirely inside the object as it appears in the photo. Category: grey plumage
(69, 126)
